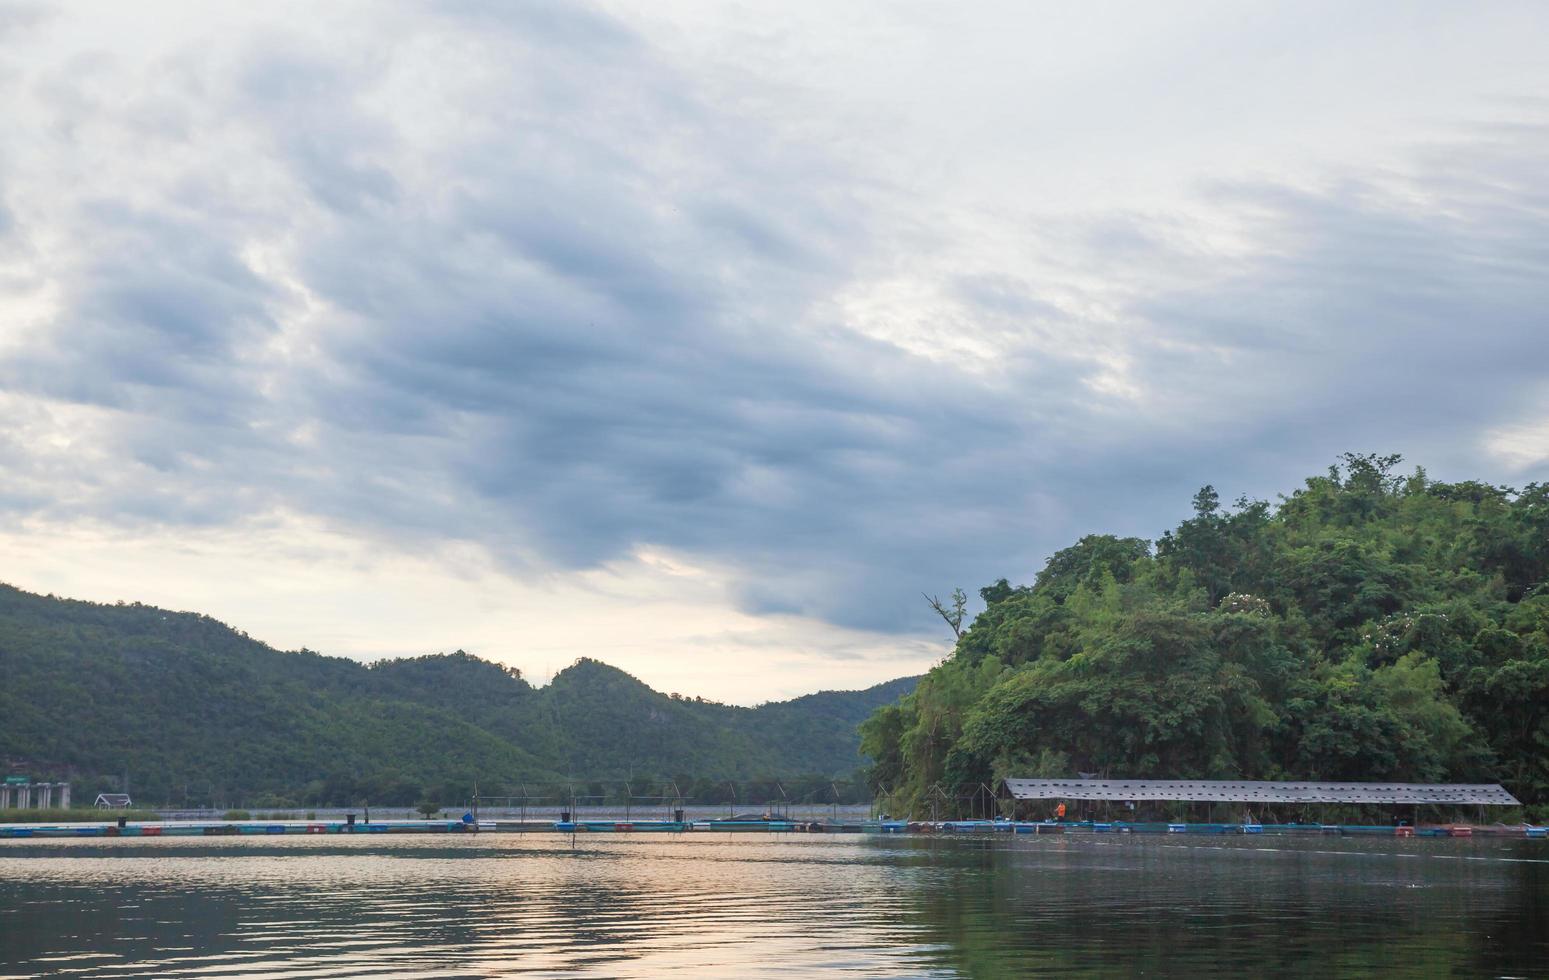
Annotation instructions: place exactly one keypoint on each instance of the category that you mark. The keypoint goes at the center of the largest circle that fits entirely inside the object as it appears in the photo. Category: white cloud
(667, 622)
(1523, 447)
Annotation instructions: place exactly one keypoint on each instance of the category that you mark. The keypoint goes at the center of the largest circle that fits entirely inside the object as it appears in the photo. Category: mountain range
(184, 709)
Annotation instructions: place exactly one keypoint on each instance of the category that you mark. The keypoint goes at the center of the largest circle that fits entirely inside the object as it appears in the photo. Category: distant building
(113, 801)
(20, 793)
(1244, 791)
(1268, 795)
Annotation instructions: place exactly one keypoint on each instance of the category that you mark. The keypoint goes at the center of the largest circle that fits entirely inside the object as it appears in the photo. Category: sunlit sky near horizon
(701, 338)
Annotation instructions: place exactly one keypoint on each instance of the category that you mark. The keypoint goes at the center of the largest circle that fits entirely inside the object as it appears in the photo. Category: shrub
(82, 815)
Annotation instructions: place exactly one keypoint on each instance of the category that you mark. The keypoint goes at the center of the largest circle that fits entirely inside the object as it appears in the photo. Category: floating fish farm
(260, 828)
(1017, 796)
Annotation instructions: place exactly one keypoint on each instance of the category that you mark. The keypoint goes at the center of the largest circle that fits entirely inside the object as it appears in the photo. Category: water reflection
(765, 905)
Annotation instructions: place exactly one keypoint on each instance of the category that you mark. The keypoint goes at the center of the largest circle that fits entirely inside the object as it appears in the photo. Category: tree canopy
(1370, 625)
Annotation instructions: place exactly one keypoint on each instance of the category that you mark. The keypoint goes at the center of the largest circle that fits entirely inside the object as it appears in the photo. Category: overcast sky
(702, 337)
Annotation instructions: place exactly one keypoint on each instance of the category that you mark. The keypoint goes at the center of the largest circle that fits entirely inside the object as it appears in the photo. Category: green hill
(190, 709)
(1369, 626)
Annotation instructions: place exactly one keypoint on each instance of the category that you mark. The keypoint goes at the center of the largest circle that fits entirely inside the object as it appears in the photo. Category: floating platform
(260, 828)
(234, 828)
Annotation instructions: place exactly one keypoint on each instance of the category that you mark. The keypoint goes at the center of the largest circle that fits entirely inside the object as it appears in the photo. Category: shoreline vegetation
(76, 815)
(1369, 626)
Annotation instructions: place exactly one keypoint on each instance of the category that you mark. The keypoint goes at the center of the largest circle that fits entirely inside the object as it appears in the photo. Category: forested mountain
(1369, 626)
(190, 709)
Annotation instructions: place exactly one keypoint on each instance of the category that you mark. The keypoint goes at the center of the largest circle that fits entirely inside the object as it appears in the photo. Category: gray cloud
(587, 304)
(19, 16)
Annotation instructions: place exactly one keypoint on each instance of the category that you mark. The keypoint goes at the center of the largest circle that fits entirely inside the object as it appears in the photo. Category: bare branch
(951, 614)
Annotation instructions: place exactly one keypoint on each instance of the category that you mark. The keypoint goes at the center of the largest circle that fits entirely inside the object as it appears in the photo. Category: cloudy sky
(702, 337)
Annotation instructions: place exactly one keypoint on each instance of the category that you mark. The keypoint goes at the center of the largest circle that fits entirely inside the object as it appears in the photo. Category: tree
(953, 613)
(1368, 626)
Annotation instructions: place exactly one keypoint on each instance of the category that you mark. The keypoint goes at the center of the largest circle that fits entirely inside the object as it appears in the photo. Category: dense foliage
(1370, 626)
(191, 711)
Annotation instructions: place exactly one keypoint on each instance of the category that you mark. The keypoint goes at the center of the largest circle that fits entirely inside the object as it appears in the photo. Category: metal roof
(1242, 791)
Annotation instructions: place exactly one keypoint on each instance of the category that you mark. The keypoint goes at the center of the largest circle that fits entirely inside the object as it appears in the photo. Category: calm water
(761, 905)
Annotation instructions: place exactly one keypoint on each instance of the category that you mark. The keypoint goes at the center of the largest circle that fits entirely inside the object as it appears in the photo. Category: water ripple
(759, 905)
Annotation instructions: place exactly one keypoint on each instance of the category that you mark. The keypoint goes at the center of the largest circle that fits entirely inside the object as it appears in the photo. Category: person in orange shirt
(1059, 812)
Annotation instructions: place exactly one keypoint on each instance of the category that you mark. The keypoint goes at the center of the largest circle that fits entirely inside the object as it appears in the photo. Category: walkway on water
(303, 827)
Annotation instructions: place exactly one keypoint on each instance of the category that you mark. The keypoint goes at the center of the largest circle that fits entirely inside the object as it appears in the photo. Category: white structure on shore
(34, 796)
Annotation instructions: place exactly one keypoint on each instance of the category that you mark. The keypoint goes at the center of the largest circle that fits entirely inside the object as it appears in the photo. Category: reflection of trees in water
(979, 906)
(1010, 908)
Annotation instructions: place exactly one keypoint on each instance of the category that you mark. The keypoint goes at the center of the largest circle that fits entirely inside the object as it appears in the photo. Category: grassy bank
(84, 815)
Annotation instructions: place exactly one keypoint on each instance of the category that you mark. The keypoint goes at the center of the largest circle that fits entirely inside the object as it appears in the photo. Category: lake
(766, 905)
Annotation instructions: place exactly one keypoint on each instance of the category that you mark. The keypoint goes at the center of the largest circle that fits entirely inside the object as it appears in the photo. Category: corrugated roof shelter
(1242, 791)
